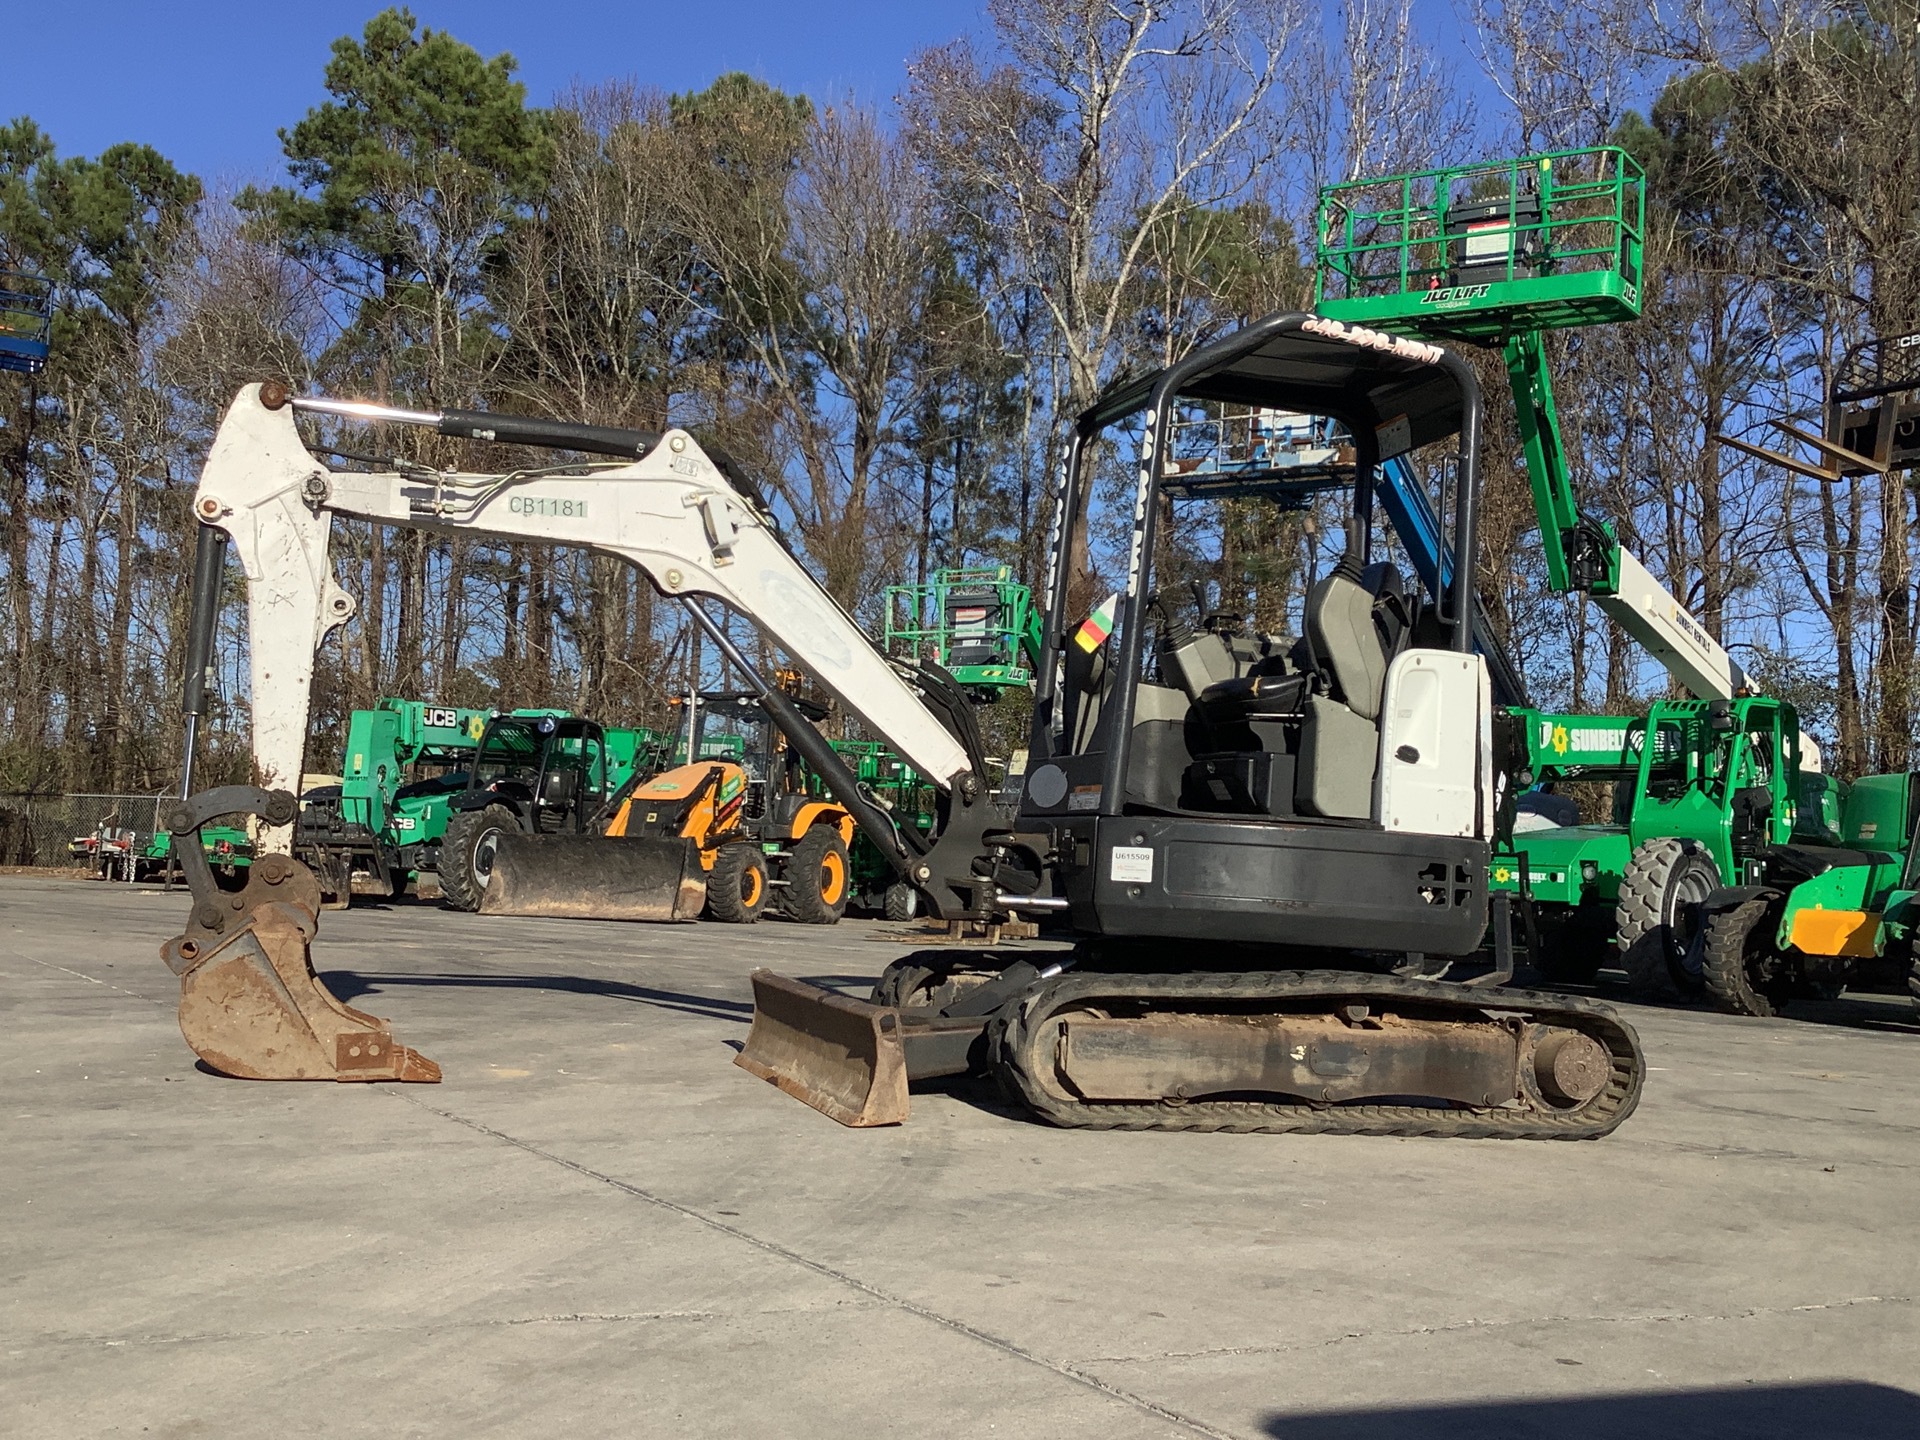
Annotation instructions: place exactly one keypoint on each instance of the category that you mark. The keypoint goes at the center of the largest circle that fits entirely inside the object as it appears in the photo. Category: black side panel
(1344, 887)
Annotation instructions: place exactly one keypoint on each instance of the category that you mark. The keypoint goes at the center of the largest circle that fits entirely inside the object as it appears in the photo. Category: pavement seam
(819, 1267)
(1655, 1317)
(94, 980)
(203, 1336)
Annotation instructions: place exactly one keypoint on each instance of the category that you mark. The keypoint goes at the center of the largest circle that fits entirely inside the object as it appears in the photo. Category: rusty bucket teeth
(252, 1007)
(595, 877)
(843, 1057)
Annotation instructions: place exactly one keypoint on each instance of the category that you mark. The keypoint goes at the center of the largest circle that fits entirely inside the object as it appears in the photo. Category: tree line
(892, 315)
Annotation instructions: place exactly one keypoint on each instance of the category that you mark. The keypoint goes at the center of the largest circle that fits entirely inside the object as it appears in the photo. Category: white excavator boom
(672, 513)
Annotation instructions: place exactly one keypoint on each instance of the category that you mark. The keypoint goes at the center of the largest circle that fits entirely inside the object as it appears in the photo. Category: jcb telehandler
(1263, 847)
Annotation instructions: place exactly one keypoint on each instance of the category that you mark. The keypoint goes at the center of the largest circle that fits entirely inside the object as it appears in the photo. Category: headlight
(1589, 871)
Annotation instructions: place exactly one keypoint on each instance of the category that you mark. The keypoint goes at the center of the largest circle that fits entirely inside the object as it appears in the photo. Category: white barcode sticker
(1131, 864)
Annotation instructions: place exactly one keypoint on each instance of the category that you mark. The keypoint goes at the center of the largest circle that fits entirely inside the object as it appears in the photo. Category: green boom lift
(1492, 256)
(979, 623)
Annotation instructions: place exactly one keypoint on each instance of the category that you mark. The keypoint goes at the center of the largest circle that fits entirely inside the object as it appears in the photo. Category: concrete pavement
(598, 1225)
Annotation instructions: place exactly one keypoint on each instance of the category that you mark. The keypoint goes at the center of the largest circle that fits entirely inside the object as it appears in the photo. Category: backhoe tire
(737, 888)
(1657, 918)
(466, 853)
(902, 901)
(1735, 944)
(817, 878)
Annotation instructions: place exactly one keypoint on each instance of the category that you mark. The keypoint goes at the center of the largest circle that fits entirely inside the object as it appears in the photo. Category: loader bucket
(251, 1006)
(594, 877)
(843, 1057)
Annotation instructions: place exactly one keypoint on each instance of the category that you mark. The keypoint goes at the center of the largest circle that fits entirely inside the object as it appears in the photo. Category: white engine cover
(1435, 744)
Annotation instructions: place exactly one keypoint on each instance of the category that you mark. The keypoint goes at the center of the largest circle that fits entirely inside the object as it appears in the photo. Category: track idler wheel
(250, 1003)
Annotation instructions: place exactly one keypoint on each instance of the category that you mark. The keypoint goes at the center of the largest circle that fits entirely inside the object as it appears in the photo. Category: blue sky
(210, 82)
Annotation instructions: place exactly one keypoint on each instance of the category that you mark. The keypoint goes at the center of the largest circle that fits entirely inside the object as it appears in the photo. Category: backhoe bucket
(843, 1057)
(251, 1006)
(593, 877)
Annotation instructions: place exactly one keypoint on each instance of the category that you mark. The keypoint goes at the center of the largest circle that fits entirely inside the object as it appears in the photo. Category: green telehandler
(1802, 921)
(405, 778)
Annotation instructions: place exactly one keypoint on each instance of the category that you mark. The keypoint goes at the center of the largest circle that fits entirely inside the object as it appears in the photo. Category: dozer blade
(843, 1057)
(593, 877)
(251, 1006)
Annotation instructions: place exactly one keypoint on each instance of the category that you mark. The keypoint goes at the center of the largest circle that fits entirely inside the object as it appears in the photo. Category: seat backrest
(1345, 641)
(1396, 608)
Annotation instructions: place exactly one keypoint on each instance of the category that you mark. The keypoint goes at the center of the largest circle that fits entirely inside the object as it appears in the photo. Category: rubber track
(1020, 1031)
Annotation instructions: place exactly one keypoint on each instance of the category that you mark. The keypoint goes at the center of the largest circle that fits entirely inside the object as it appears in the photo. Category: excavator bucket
(251, 1006)
(843, 1057)
(596, 877)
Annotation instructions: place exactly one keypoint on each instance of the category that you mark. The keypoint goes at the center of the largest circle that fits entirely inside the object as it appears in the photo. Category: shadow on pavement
(1886, 1012)
(1850, 1409)
(350, 985)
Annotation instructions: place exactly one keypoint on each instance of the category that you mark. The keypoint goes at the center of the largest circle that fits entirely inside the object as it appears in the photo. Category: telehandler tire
(1657, 918)
(466, 853)
(737, 888)
(817, 878)
(1735, 940)
(1913, 985)
(901, 902)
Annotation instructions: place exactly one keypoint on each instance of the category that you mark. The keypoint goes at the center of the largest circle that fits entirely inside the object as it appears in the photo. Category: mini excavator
(1267, 846)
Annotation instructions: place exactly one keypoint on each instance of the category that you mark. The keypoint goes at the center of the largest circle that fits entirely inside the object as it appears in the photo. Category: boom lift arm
(1584, 553)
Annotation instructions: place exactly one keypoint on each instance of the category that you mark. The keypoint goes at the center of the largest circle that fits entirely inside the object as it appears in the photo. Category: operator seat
(1327, 712)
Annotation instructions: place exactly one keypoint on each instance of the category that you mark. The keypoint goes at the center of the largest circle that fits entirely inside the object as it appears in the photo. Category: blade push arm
(671, 512)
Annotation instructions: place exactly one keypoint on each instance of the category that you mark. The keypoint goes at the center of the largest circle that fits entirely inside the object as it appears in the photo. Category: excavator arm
(250, 1002)
(669, 510)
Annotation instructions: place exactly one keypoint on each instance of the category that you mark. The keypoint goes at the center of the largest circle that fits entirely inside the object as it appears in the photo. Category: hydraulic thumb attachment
(250, 1004)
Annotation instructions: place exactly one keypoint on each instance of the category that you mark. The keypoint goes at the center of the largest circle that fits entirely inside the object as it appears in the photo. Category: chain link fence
(39, 829)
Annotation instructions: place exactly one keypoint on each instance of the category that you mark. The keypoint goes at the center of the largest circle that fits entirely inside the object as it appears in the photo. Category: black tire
(1913, 985)
(1735, 947)
(466, 852)
(908, 983)
(818, 879)
(737, 888)
(1657, 919)
(902, 901)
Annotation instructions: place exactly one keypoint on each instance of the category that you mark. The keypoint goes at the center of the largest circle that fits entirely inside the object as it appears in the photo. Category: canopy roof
(1297, 361)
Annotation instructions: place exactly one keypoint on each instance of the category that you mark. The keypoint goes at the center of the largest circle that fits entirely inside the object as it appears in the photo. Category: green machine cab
(1805, 921)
